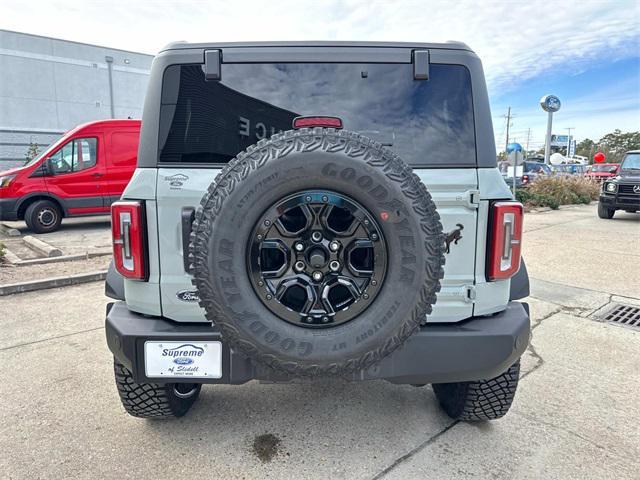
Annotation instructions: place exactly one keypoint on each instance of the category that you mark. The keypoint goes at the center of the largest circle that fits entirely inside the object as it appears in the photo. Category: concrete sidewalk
(575, 414)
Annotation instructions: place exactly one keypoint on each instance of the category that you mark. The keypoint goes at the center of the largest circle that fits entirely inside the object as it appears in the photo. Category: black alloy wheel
(317, 259)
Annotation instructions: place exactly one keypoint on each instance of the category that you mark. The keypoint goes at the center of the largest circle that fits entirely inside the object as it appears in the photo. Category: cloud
(516, 40)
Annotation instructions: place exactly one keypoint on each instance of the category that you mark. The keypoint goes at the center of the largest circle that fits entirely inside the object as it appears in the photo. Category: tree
(32, 152)
(586, 148)
(615, 144)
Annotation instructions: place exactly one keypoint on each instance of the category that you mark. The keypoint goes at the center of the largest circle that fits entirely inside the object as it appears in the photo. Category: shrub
(2, 250)
(565, 190)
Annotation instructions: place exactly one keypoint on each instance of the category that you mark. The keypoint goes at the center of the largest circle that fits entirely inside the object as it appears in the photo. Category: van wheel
(43, 216)
(604, 212)
(480, 400)
(151, 400)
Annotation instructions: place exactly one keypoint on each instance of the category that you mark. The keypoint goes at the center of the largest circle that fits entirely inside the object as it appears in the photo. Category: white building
(48, 86)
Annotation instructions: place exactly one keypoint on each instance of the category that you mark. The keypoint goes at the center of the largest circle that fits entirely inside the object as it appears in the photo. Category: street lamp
(550, 104)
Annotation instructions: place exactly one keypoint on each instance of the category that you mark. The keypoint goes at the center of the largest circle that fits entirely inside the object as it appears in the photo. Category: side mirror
(613, 169)
(46, 167)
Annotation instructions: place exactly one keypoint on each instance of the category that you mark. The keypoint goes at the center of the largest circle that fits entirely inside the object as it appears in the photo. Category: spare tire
(317, 252)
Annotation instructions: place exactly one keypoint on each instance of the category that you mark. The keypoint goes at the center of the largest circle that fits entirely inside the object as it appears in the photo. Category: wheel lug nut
(261, 283)
(325, 319)
(316, 236)
(365, 296)
(259, 237)
(325, 198)
(374, 236)
(366, 222)
(308, 198)
(334, 246)
(299, 265)
(317, 276)
(374, 283)
(267, 222)
(269, 297)
(299, 247)
(334, 266)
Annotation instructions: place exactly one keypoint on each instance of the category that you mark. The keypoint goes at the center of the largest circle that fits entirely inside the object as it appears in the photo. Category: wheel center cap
(317, 258)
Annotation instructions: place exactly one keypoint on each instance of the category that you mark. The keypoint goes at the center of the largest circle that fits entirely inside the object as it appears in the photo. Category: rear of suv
(313, 210)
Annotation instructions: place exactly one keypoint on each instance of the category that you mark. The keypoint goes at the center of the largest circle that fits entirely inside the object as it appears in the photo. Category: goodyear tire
(317, 160)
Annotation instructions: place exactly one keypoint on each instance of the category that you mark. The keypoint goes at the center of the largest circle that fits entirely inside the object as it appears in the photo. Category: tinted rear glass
(427, 123)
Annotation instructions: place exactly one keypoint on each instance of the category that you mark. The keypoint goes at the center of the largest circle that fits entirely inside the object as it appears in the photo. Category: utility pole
(506, 143)
(526, 150)
(569, 138)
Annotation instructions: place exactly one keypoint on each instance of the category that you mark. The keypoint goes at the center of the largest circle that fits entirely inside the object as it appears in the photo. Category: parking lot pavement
(575, 413)
(575, 247)
(76, 235)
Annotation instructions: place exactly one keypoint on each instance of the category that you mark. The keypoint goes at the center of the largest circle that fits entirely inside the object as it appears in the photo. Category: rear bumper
(478, 348)
(8, 209)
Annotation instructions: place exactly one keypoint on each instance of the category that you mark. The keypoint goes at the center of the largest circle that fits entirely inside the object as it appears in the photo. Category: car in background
(80, 174)
(569, 169)
(601, 171)
(623, 191)
(526, 173)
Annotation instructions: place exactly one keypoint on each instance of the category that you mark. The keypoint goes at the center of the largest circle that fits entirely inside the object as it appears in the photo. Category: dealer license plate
(183, 359)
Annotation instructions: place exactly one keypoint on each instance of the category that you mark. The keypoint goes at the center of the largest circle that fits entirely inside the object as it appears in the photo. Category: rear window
(427, 123)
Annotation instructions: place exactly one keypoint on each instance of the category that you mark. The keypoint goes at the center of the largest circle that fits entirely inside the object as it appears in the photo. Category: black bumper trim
(622, 202)
(8, 209)
(478, 348)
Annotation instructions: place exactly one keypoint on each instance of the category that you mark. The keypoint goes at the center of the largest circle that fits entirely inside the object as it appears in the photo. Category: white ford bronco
(312, 210)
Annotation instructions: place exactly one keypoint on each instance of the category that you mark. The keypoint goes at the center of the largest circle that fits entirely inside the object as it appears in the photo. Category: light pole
(550, 104)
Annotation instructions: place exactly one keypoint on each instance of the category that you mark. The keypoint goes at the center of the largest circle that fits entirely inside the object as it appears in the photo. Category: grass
(553, 191)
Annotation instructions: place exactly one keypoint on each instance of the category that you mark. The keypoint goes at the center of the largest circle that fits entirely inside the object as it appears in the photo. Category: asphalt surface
(575, 414)
(75, 236)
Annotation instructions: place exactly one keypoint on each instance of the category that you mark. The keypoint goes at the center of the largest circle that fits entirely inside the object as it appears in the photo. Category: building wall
(48, 86)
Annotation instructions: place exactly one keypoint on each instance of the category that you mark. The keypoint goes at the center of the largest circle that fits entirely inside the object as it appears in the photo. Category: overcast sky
(587, 52)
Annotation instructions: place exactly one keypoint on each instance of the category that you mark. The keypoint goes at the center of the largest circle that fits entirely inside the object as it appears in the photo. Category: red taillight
(327, 122)
(129, 245)
(525, 179)
(505, 240)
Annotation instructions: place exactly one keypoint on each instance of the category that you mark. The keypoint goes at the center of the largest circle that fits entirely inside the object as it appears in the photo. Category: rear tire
(604, 212)
(151, 400)
(43, 216)
(481, 400)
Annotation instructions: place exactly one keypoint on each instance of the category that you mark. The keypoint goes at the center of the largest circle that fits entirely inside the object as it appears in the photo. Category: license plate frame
(183, 359)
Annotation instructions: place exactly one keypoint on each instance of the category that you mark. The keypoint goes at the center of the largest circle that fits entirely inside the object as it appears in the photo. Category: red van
(80, 174)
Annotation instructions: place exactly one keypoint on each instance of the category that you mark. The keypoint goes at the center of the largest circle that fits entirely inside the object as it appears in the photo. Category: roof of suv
(449, 45)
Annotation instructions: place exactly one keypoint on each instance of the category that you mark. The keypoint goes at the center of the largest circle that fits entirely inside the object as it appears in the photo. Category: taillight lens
(505, 243)
(129, 242)
(317, 121)
(525, 179)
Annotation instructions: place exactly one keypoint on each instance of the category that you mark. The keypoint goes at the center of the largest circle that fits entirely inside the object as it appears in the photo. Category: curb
(42, 247)
(9, 231)
(63, 258)
(54, 282)
(11, 257)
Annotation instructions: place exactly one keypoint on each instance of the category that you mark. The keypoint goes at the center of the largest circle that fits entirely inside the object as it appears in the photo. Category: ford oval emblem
(188, 296)
(183, 361)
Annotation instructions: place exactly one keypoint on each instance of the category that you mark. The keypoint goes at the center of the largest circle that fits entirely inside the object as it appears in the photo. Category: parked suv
(80, 174)
(310, 210)
(622, 192)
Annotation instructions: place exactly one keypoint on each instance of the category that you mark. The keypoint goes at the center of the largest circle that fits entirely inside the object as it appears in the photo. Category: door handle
(97, 174)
